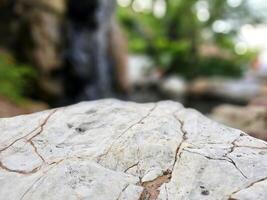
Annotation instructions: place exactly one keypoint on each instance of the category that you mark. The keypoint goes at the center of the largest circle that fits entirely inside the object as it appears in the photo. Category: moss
(15, 79)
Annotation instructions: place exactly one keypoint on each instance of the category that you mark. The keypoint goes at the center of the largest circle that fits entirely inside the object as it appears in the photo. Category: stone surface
(120, 150)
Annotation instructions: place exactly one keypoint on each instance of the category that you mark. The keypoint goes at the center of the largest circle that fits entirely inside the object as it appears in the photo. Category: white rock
(121, 150)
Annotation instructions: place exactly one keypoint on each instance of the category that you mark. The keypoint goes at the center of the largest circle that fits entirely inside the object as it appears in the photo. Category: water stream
(88, 67)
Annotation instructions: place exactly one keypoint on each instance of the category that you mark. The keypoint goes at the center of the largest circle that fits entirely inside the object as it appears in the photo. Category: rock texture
(112, 150)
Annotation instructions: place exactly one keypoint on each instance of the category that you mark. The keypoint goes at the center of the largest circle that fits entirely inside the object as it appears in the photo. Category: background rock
(237, 90)
(251, 119)
(120, 150)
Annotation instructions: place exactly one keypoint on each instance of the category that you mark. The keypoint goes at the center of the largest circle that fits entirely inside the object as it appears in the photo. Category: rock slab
(113, 150)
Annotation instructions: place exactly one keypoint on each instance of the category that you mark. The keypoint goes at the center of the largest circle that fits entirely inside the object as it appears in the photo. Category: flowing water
(89, 70)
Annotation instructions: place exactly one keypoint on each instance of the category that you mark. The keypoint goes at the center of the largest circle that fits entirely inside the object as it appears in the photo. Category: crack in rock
(233, 143)
(251, 147)
(132, 166)
(125, 187)
(37, 152)
(234, 146)
(124, 132)
(184, 138)
(151, 189)
(166, 190)
(41, 127)
(32, 185)
(2, 166)
(41, 177)
(233, 162)
(227, 159)
(231, 150)
(15, 141)
(250, 185)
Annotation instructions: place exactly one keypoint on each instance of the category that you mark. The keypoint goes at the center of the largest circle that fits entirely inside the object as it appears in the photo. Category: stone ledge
(111, 149)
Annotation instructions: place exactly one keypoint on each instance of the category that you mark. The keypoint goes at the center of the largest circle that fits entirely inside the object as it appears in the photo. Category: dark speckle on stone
(167, 172)
(92, 111)
(69, 125)
(205, 192)
(80, 130)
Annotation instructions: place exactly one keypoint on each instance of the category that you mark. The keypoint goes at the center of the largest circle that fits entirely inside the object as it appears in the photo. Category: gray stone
(252, 118)
(110, 149)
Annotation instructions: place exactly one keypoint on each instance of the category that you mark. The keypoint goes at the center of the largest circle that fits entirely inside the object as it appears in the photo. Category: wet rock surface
(110, 149)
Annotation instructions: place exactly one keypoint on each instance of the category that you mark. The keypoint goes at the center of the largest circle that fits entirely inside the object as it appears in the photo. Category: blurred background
(207, 54)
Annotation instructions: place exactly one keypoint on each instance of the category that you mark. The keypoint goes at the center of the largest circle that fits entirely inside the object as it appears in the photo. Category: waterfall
(89, 70)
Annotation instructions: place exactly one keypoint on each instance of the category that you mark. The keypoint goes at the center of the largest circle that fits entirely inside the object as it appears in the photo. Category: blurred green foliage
(173, 41)
(15, 79)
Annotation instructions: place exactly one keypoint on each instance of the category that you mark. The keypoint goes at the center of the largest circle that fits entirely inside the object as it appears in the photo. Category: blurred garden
(191, 38)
